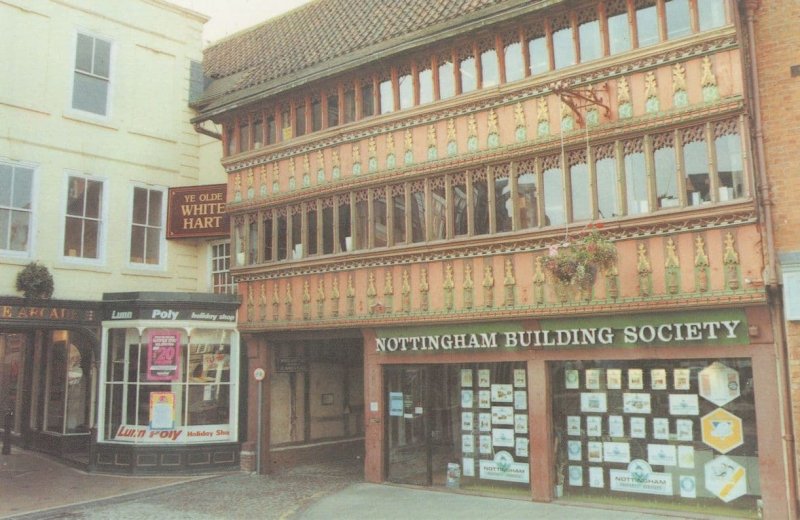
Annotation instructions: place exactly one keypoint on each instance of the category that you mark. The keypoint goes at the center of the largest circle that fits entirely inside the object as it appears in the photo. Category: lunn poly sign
(197, 211)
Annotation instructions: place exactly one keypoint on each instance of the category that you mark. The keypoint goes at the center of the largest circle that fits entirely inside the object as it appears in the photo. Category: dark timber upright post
(7, 421)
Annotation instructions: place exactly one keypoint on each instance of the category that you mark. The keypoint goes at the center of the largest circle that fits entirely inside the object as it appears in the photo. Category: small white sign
(259, 374)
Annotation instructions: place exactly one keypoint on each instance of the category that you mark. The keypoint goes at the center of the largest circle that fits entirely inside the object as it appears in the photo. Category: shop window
(711, 14)
(361, 220)
(367, 100)
(417, 211)
(480, 203)
(619, 33)
(591, 46)
(13, 361)
(606, 172)
(514, 61)
(647, 23)
(163, 381)
(244, 134)
(695, 163)
(283, 236)
(67, 384)
(666, 171)
(311, 233)
(300, 119)
(92, 75)
(553, 184)
(447, 87)
(83, 226)
(333, 110)
(147, 226)
(636, 178)
(387, 96)
(327, 227)
(539, 55)
(527, 196)
(16, 204)
(730, 172)
(221, 281)
(296, 233)
(678, 18)
(646, 433)
(230, 138)
(580, 189)
(406, 90)
(258, 131)
(563, 46)
(503, 203)
(490, 70)
(438, 209)
(286, 124)
(349, 112)
(460, 212)
(345, 231)
(398, 214)
(252, 242)
(379, 229)
(239, 243)
(468, 74)
(268, 235)
(316, 115)
(425, 86)
(272, 135)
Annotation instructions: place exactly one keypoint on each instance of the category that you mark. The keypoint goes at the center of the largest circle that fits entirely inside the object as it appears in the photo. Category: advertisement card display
(163, 355)
(468, 443)
(635, 403)
(396, 404)
(484, 399)
(485, 444)
(502, 394)
(594, 451)
(521, 446)
(520, 423)
(684, 429)
(594, 402)
(616, 426)
(594, 426)
(484, 377)
(680, 378)
(596, 478)
(574, 450)
(722, 430)
(725, 478)
(466, 378)
(485, 422)
(619, 452)
(640, 478)
(571, 379)
(688, 486)
(638, 428)
(520, 399)
(661, 428)
(593, 379)
(662, 455)
(575, 476)
(468, 465)
(503, 415)
(686, 456)
(718, 384)
(635, 379)
(684, 404)
(466, 421)
(573, 425)
(466, 399)
(503, 437)
(658, 379)
(614, 379)
(504, 468)
(519, 377)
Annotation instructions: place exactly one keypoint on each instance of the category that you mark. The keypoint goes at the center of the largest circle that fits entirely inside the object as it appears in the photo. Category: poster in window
(485, 444)
(594, 451)
(619, 452)
(163, 355)
(520, 400)
(573, 425)
(616, 426)
(162, 410)
(635, 379)
(593, 379)
(638, 428)
(571, 379)
(614, 379)
(466, 377)
(485, 422)
(661, 428)
(574, 450)
(662, 455)
(503, 415)
(594, 426)
(520, 423)
(502, 394)
(519, 377)
(658, 379)
(596, 477)
(684, 404)
(521, 446)
(635, 403)
(680, 378)
(575, 475)
(466, 421)
(686, 456)
(503, 437)
(684, 429)
(466, 398)
(484, 399)
(396, 404)
(469, 467)
(594, 402)
(468, 444)
(484, 377)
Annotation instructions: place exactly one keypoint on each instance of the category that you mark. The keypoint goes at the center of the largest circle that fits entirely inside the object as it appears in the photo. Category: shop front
(48, 353)
(671, 411)
(168, 398)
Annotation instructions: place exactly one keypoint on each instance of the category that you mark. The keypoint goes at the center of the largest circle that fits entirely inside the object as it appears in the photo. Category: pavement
(36, 487)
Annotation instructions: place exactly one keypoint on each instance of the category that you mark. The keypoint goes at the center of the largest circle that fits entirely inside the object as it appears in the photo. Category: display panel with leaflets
(168, 388)
(682, 432)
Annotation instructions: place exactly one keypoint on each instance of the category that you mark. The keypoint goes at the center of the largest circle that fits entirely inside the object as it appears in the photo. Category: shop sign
(169, 314)
(163, 355)
(504, 468)
(46, 313)
(719, 384)
(185, 434)
(725, 478)
(663, 334)
(722, 430)
(640, 478)
(197, 211)
(292, 364)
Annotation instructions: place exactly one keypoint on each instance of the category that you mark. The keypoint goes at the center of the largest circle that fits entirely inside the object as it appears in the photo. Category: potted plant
(35, 282)
(577, 261)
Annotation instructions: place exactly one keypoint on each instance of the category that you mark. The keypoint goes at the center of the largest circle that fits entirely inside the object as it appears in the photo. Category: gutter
(198, 127)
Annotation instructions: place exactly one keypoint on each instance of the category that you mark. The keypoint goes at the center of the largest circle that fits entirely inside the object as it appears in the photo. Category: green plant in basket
(577, 261)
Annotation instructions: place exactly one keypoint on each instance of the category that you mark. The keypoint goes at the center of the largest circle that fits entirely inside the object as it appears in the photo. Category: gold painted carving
(468, 286)
(644, 270)
(672, 267)
(700, 265)
(448, 286)
(623, 91)
(509, 282)
(488, 286)
(423, 289)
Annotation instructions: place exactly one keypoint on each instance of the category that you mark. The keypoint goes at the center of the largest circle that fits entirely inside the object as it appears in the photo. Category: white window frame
(162, 260)
(85, 114)
(103, 220)
(29, 252)
(232, 286)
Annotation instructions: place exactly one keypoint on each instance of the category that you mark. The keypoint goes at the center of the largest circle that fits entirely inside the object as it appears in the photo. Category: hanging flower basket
(577, 261)
(35, 282)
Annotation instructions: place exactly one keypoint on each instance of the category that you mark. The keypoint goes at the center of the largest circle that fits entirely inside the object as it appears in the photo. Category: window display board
(680, 431)
(494, 423)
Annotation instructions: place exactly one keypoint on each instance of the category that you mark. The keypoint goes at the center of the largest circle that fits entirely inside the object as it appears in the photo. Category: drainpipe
(198, 127)
(771, 279)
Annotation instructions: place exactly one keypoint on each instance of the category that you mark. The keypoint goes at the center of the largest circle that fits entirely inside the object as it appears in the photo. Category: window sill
(156, 272)
(88, 118)
(78, 264)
